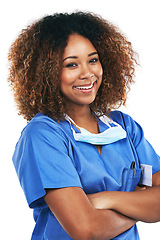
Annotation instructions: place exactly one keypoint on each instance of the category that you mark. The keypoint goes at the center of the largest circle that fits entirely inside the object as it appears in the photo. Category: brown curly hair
(36, 58)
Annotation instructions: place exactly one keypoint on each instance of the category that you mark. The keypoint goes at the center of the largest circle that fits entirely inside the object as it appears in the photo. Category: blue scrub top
(47, 156)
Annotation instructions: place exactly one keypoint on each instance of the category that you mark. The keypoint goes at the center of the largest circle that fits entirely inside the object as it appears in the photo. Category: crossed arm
(103, 215)
(139, 205)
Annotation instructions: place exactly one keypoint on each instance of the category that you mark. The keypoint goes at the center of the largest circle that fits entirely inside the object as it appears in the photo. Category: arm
(141, 205)
(80, 219)
(156, 179)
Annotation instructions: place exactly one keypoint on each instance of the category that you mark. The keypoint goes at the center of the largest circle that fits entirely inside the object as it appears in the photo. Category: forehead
(78, 45)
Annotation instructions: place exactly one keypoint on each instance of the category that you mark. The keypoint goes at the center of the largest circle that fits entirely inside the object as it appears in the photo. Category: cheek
(67, 81)
(67, 78)
(64, 78)
(99, 71)
(100, 74)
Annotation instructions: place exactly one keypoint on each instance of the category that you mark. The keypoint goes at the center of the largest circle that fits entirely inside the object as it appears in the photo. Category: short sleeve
(41, 161)
(145, 152)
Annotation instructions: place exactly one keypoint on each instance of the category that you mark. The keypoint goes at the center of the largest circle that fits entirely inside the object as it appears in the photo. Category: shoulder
(121, 118)
(43, 127)
(127, 122)
(133, 129)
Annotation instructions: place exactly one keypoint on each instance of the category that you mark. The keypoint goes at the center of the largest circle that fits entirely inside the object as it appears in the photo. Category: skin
(81, 68)
(141, 205)
(94, 216)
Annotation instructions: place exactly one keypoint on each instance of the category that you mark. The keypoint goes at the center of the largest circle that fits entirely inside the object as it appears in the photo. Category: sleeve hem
(35, 201)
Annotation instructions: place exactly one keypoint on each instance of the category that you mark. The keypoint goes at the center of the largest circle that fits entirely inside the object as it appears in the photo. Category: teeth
(85, 88)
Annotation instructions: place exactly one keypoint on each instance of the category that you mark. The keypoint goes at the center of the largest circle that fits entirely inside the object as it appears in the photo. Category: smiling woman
(79, 162)
(38, 54)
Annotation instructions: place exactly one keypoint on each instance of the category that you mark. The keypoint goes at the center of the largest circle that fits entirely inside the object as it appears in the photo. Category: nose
(85, 72)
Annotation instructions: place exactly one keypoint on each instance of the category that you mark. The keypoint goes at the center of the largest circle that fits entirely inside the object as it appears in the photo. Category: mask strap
(109, 121)
(71, 122)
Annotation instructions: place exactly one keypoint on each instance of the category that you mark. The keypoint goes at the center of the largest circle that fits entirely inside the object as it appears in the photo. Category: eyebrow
(75, 57)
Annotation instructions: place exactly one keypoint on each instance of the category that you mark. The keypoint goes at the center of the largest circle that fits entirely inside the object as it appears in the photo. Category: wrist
(112, 199)
(104, 200)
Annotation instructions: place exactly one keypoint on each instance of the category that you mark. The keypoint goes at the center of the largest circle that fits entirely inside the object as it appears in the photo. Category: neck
(80, 114)
(83, 117)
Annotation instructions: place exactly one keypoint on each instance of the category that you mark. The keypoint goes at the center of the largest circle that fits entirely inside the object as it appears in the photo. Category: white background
(140, 20)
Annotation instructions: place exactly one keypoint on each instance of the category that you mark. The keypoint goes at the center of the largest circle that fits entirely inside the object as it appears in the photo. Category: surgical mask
(114, 132)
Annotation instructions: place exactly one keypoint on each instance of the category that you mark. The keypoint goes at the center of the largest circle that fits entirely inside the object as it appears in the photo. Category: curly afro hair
(36, 60)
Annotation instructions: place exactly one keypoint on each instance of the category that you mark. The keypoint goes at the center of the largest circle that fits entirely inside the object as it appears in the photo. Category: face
(81, 74)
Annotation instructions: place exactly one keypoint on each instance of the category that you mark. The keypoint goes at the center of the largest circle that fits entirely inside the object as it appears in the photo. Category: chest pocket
(131, 178)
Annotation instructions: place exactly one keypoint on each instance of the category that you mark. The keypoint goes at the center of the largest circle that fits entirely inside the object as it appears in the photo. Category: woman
(78, 160)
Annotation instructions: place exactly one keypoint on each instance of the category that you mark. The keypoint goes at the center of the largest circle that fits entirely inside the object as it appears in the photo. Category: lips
(84, 87)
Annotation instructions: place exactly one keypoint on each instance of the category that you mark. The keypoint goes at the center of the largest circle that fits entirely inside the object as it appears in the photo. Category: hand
(140, 188)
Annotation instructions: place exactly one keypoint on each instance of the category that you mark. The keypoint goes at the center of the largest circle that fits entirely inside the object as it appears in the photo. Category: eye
(94, 60)
(71, 65)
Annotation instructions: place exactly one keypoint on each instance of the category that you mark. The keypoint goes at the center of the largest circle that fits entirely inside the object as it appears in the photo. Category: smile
(85, 87)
